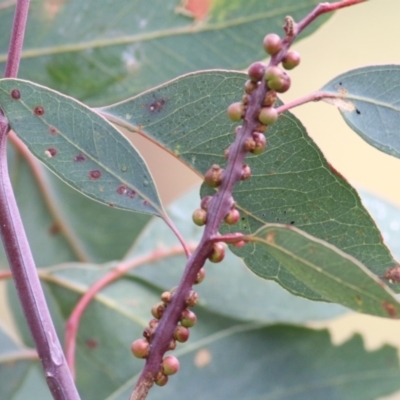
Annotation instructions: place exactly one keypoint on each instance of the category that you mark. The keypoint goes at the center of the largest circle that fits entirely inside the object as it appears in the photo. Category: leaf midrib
(189, 29)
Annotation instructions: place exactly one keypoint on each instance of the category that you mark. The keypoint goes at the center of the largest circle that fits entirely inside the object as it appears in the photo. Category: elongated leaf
(327, 270)
(70, 226)
(81, 147)
(275, 362)
(15, 363)
(387, 217)
(368, 99)
(108, 52)
(229, 288)
(291, 182)
(279, 363)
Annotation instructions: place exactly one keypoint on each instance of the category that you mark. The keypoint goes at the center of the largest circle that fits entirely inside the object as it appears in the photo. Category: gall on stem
(247, 111)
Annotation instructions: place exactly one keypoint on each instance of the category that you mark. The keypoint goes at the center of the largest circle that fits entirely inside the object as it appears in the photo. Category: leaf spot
(131, 193)
(358, 300)
(202, 358)
(54, 229)
(122, 189)
(91, 343)
(15, 94)
(39, 111)
(358, 111)
(51, 152)
(196, 9)
(95, 174)
(390, 309)
(53, 130)
(392, 274)
(124, 168)
(79, 158)
(158, 105)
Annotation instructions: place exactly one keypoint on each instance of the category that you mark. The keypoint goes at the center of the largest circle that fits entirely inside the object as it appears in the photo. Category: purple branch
(18, 252)
(218, 208)
(28, 286)
(17, 39)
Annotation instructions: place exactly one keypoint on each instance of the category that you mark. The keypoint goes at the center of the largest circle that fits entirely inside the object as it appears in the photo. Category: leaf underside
(102, 54)
(328, 271)
(369, 101)
(79, 146)
(291, 182)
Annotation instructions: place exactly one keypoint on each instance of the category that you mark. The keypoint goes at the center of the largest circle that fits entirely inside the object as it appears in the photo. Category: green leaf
(387, 217)
(229, 288)
(278, 363)
(102, 54)
(70, 226)
(328, 271)
(16, 362)
(291, 182)
(368, 100)
(80, 146)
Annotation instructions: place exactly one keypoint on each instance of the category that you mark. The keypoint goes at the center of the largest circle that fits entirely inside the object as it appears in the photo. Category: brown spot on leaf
(79, 158)
(392, 274)
(53, 130)
(390, 309)
(51, 152)
(196, 9)
(52, 7)
(122, 189)
(91, 343)
(358, 300)
(15, 94)
(54, 229)
(202, 358)
(95, 174)
(131, 193)
(157, 105)
(39, 111)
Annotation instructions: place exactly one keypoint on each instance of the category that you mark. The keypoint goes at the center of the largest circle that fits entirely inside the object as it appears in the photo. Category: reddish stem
(218, 208)
(17, 248)
(72, 325)
(317, 96)
(17, 39)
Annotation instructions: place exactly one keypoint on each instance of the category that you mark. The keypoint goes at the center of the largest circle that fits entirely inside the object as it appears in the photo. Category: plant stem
(17, 39)
(218, 208)
(18, 252)
(72, 325)
(28, 286)
(316, 96)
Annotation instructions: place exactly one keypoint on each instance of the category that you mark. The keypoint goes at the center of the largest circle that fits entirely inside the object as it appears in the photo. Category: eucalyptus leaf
(15, 363)
(291, 181)
(105, 52)
(70, 226)
(327, 270)
(229, 288)
(80, 146)
(387, 217)
(368, 99)
(278, 363)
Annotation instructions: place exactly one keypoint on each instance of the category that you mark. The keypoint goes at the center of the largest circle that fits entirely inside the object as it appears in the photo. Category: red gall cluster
(141, 347)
